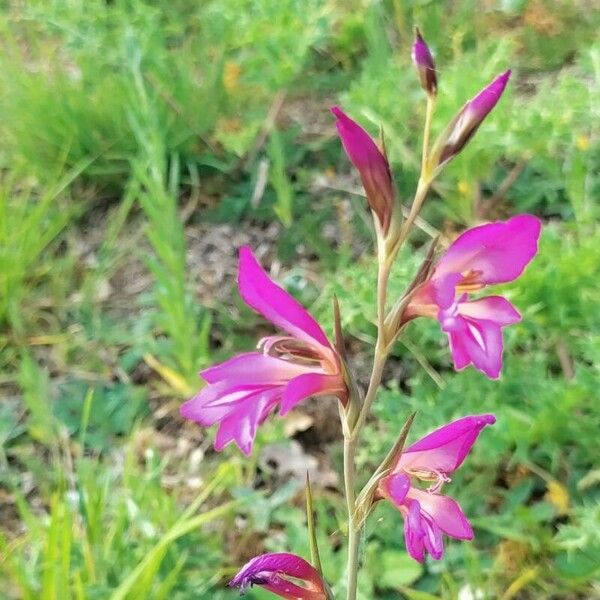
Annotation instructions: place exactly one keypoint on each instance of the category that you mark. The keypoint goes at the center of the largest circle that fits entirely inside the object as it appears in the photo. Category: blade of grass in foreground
(148, 567)
(144, 573)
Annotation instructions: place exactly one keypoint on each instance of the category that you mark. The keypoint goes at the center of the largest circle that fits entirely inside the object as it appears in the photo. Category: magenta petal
(253, 367)
(414, 532)
(491, 308)
(481, 341)
(443, 289)
(240, 425)
(395, 487)
(269, 570)
(434, 544)
(444, 449)
(460, 354)
(445, 512)
(214, 402)
(309, 384)
(498, 251)
(274, 303)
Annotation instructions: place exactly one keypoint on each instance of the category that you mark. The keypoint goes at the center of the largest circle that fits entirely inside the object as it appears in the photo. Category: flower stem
(382, 348)
(353, 534)
(427, 131)
(350, 440)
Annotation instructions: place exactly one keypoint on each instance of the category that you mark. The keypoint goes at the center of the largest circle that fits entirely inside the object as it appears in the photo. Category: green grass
(129, 126)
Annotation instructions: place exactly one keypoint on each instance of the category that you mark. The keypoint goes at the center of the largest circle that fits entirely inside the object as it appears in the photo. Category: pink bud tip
(423, 61)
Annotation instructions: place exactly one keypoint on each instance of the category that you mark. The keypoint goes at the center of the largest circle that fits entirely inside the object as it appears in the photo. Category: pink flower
(423, 61)
(485, 255)
(371, 164)
(272, 571)
(468, 119)
(427, 514)
(243, 391)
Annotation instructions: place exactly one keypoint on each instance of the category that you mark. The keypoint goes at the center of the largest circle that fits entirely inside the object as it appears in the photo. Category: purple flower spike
(423, 61)
(371, 164)
(242, 391)
(428, 514)
(272, 571)
(485, 255)
(469, 118)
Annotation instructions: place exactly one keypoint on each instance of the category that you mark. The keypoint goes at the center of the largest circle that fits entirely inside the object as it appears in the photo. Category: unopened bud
(423, 61)
(372, 166)
(466, 122)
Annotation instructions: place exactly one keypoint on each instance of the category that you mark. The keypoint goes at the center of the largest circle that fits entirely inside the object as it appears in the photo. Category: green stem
(353, 534)
(382, 347)
(350, 440)
(427, 131)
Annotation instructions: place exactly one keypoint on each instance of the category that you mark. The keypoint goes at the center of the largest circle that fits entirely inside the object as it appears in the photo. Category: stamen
(442, 478)
(437, 477)
(470, 282)
(290, 349)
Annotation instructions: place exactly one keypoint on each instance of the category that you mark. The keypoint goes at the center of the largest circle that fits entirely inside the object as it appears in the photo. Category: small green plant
(156, 177)
(31, 222)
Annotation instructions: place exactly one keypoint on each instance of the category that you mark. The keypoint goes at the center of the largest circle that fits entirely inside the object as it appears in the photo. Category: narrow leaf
(315, 559)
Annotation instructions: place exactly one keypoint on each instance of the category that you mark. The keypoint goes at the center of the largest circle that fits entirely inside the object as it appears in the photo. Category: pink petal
(395, 487)
(444, 449)
(309, 384)
(443, 289)
(414, 533)
(240, 425)
(253, 367)
(460, 354)
(500, 251)
(445, 512)
(434, 544)
(274, 303)
(214, 402)
(491, 308)
(481, 341)
(286, 589)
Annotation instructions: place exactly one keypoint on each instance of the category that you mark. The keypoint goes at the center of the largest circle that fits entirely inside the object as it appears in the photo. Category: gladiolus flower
(242, 391)
(485, 255)
(466, 122)
(423, 61)
(272, 571)
(372, 166)
(428, 514)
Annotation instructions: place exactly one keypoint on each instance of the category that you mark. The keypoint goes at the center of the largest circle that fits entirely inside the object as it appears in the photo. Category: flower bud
(372, 166)
(423, 61)
(283, 574)
(466, 122)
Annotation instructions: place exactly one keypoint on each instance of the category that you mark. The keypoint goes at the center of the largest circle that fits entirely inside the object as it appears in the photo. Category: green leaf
(393, 568)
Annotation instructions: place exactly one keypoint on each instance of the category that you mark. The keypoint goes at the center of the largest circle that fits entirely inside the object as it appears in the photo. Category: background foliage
(142, 142)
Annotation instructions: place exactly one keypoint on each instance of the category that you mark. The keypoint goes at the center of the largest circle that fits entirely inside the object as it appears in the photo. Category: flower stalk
(286, 369)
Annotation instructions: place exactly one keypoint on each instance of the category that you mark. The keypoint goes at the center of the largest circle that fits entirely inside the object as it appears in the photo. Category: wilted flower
(485, 255)
(466, 122)
(273, 572)
(427, 514)
(371, 164)
(286, 370)
(423, 61)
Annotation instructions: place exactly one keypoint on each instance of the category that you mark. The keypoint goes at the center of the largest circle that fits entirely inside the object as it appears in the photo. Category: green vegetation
(142, 142)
